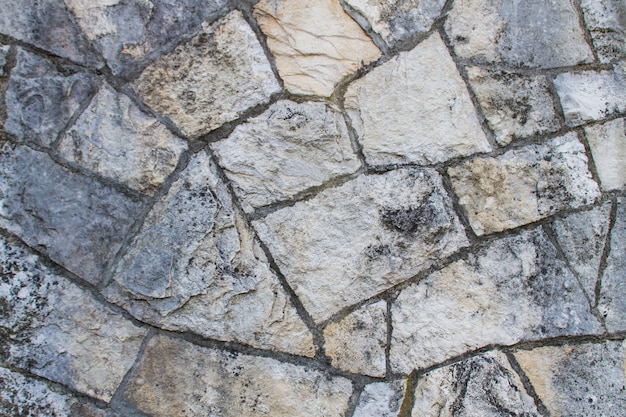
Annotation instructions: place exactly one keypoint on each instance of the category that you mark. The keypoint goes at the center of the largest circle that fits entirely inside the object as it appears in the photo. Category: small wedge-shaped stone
(515, 289)
(532, 33)
(608, 149)
(606, 21)
(315, 43)
(351, 242)
(176, 378)
(415, 108)
(483, 385)
(287, 149)
(195, 267)
(211, 79)
(582, 380)
(75, 220)
(381, 399)
(114, 138)
(524, 185)
(57, 330)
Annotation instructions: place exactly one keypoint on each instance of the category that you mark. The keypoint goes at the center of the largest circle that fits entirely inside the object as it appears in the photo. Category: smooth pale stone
(606, 21)
(288, 149)
(178, 378)
(211, 79)
(314, 42)
(578, 380)
(533, 33)
(591, 95)
(194, 266)
(415, 108)
(516, 106)
(59, 331)
(524, 185)
(351, 242)
(114, 138)
(357, 342)
(513, 290)
(381, 399)
(608, 149)
(483, 385)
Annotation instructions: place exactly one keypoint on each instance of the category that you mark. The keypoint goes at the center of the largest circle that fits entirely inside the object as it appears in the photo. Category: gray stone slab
(606, 21)
(381, 399)
(607, 142)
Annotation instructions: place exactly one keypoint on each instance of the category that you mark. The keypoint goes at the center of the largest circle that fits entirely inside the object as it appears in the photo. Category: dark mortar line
(457, 207)
(408, 401)
(583, 26)
(530, 71)
(605, 254)
(528, 386)
(556, 101)
(389, 323)
(353, 401)
(340, 101)
(591, 163)
(365, 25)
(90, 46)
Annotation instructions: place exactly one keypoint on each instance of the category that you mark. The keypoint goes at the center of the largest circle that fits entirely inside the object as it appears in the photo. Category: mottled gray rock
(381, 399)
(5, 68)
(114, 138)
(583, 380)
(287, 149)
(415, 108)
(42, 97)
(75, 220)
(178, 378)
(57, 330)
(357, 342)
(582, 237)
(533, 33)
(483, 385)
(606, 21)
(351, 242)
(194, 266)
(608, 148)
(524, 185)
(314, 42)
(513, 290)
(515, 106)
(127, 34)
(210, 79)
(591, 95)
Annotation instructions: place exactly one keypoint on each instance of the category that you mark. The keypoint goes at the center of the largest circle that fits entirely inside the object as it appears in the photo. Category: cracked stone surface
(606, 21)
(381, 399)
(608, 148)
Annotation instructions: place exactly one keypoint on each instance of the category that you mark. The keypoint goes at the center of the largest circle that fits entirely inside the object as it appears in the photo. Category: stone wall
(313, 208)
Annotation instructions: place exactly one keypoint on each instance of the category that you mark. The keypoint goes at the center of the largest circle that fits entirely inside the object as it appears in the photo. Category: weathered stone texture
(524, 185)
(75, 220)
(606, 21)
(415, 108)
(114, 138)
(608, 149)
(351, 242)
(515, 289)
(211, 79)
(381, 399)
(314, 42)
(583, 380)
(287, 149)
(178, 378)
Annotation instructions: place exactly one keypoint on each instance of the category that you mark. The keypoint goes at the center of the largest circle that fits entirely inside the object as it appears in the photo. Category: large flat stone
(415, 108)
(315, 43)
(288, 149)
(381, 399)
(607, 142)
(178, 378)
(524, 185)
(211, 79)
(513, 290)
(606, 21)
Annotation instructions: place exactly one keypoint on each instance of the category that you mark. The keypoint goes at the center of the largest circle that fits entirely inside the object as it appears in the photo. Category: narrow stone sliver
(328, 208)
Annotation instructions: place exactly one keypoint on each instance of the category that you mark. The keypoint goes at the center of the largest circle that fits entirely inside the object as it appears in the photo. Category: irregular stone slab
(114, 138)
(591, 95)
(42, 97)
(76, 221)
(533, 33)
(515, 106)
(351, 242)
(606, 21)
(397, 21)
(211, 79)
(515, 289)
(195, 267)
(287, 149)
(315, 43)
(483, 385)
(582, 237)
(129, 33)
(57, 330)
(524, 185)
(178, 378)
(381, 399)
(612, 302)
(357, 342)
(608, 149)
(585, 380)
(415, 108)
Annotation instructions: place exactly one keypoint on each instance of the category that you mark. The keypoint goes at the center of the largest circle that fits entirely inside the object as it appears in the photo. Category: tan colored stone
(608, 149)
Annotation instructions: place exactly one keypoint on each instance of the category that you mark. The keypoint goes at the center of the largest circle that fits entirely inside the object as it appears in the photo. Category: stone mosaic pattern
(355, 208)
